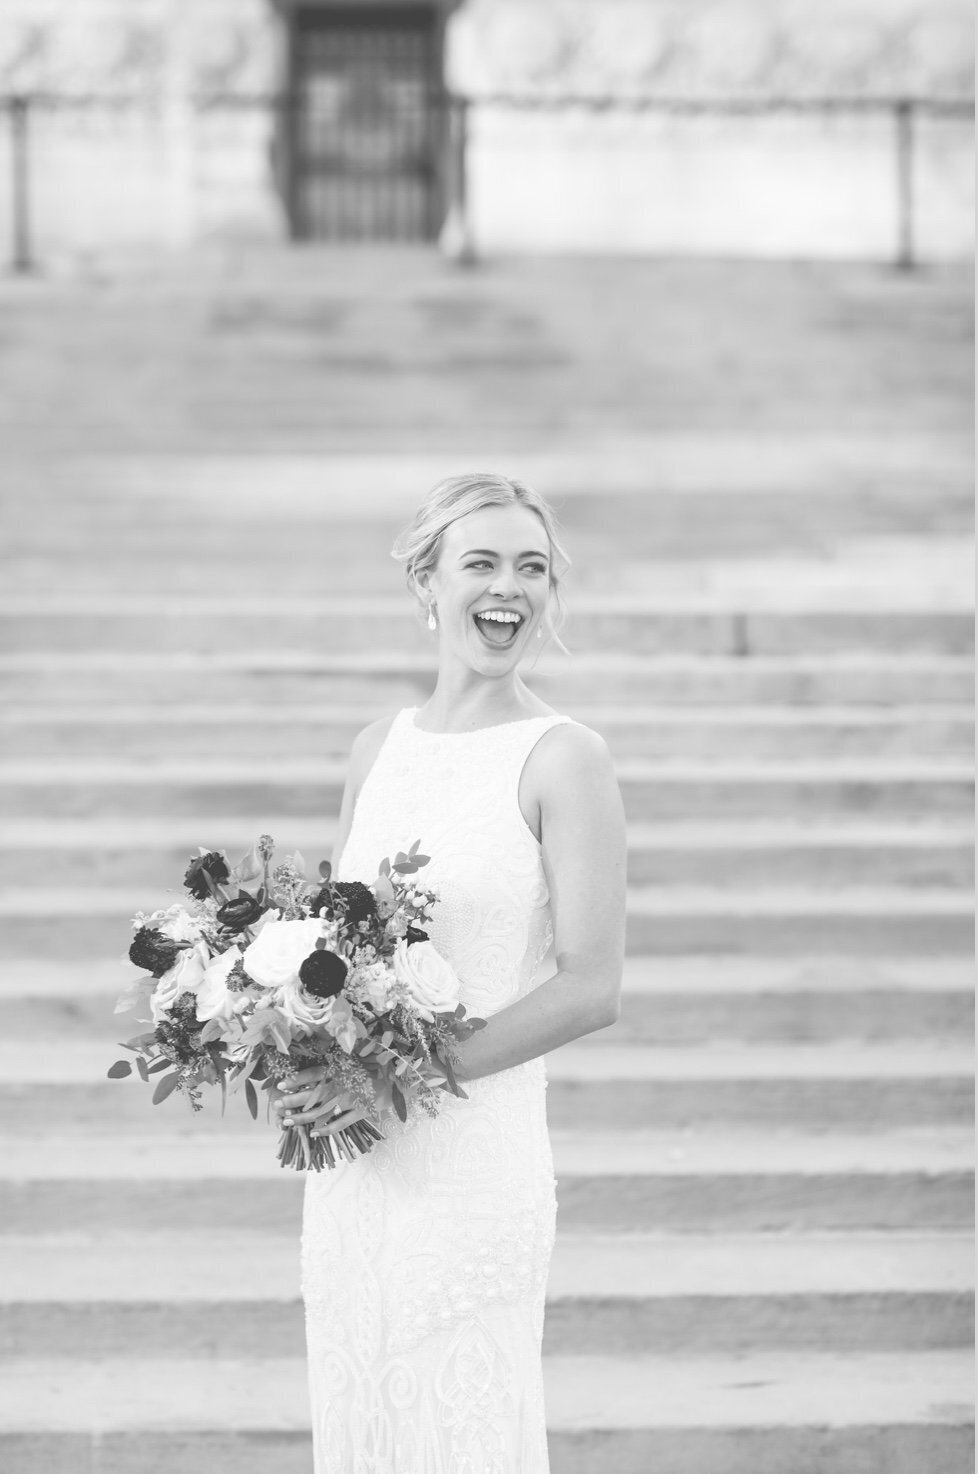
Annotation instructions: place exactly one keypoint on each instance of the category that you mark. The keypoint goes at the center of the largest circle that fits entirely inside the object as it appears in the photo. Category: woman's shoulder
(367, 744)
(570, 749)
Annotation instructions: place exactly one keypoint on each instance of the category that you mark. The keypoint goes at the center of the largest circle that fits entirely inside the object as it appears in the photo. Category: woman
(424, 1264)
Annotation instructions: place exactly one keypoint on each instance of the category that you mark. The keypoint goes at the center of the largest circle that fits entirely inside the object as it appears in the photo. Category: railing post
(904, 118)
(455, 240)
(20, 258)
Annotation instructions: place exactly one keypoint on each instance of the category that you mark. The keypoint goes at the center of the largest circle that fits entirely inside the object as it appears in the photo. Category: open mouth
(497, 627)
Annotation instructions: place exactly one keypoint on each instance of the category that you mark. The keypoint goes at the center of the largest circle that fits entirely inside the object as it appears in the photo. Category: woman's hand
(306, 1098)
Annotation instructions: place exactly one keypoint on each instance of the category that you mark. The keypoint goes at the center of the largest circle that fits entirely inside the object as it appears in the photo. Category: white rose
(183, 977)
(303, 1010)
(214, 998)
(280, 949)
(430, 981)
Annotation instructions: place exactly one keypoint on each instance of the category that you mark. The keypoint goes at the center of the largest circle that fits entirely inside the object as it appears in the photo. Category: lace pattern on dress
(424, 1265)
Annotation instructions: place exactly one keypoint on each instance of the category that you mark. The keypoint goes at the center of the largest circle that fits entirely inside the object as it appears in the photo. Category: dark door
(368, 121)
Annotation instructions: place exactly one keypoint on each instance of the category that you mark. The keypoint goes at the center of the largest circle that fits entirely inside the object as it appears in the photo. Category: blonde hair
(418, 546)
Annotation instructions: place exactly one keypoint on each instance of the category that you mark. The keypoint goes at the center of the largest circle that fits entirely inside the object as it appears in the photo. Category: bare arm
(584, 857)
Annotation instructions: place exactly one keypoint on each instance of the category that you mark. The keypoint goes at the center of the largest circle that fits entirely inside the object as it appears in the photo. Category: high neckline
(412, 712)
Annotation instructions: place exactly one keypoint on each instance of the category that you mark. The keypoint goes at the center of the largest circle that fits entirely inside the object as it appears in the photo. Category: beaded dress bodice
(424, 1264)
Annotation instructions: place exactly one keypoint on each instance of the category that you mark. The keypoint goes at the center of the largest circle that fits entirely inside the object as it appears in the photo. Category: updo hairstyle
(419, 545)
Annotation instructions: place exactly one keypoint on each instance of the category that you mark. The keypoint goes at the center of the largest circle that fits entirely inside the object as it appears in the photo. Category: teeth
(499, 616)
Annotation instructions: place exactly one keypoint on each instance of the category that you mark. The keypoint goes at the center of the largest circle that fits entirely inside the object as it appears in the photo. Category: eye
(480, 563)
(536, 567)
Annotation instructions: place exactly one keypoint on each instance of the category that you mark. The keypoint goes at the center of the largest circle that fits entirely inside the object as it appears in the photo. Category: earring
(432, 622)
(539, 631)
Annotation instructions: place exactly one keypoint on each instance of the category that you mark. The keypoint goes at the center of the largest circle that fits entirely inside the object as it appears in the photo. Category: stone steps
(651, 791)
(773, 1280)
(280, 675)
(710, 1179)
(679, 1000)
(98, 1296)
(766, 1411)
(306, 731)
(153, 852)
(357, 624)
(819, 1087)
(664, 922)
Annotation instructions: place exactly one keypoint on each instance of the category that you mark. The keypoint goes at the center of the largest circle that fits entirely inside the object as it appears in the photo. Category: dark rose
(323, 974)
(415, 934)
(153, 951)
(243, 911)
(211, 864)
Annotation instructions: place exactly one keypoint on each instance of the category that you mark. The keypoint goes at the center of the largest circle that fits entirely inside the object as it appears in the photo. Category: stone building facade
(716, 127)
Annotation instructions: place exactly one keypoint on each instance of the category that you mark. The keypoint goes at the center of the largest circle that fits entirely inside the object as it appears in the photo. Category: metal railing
(904, 112)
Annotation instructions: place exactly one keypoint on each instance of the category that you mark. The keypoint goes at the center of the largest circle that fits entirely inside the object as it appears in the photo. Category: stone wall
(606, 174)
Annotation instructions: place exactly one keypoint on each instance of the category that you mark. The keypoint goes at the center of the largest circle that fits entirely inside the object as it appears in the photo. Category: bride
(424, 1264)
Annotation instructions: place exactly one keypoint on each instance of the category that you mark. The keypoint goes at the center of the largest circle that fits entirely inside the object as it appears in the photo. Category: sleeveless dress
(424, 1263)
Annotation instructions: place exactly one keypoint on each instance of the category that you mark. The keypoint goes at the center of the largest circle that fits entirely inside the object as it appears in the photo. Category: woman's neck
(464, 706)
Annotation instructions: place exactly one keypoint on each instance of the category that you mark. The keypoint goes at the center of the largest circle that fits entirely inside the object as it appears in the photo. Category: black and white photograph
(487, 820)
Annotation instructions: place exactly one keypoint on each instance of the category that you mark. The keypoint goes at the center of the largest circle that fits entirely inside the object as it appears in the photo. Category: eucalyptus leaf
(251, 1096)
(165, 1087)
(446, 1065)
(325, 869)
(141, 1067)
(119, 1070)
(249, 868)
(400, 1105)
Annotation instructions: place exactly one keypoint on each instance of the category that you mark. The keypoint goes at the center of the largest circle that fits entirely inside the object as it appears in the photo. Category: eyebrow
(532, 553)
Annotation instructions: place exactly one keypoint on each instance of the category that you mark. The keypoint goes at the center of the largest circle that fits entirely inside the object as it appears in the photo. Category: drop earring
(432, 621)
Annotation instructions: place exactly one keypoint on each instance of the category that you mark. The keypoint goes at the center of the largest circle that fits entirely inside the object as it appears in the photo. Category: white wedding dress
(424, 1263)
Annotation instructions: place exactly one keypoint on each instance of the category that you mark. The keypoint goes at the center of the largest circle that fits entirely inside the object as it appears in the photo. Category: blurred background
(702, 274)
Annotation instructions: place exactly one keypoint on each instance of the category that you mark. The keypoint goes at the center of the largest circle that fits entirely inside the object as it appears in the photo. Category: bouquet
(262, 973)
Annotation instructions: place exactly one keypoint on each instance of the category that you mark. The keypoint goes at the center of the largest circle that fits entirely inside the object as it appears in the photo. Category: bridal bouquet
(262, 973)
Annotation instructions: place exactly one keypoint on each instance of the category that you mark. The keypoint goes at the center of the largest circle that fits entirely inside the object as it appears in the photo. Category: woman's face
(490, 586)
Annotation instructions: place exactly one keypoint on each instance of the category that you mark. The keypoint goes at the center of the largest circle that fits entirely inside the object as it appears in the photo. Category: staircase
(765, 1169)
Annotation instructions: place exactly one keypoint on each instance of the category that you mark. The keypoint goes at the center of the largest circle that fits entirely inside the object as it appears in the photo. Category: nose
(504, 584)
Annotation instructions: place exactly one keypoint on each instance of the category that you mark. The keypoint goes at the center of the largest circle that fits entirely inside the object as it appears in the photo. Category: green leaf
(325, 869)
(400, 1105)
(119, 1070)
(251, 1096)
(385, 867)
(141, 1067)
(165, 1087)
(159, 1064)
(414, 848)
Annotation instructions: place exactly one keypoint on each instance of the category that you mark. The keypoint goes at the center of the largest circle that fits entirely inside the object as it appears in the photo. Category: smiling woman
(444, 538)
(425, 1263)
